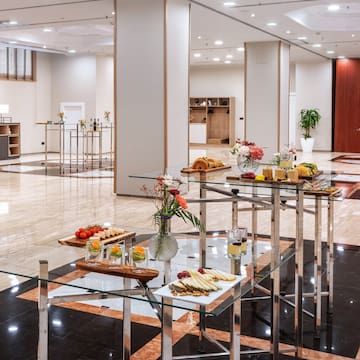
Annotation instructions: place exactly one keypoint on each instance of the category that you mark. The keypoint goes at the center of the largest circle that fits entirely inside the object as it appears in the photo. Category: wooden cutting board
(74, 241)
(191, 170)
(133, 272)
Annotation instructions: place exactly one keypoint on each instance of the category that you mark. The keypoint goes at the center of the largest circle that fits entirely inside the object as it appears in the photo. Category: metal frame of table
(273, 203)
(84, 155)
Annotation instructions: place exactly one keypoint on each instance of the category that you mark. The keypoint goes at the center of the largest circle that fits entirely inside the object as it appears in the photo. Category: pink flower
(256, 152)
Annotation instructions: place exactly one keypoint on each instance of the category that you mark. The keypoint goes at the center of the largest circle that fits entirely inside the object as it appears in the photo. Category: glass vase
(246, 165)
(163, 245)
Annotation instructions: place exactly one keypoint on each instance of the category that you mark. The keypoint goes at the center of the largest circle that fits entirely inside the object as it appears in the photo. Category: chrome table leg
(43, 311)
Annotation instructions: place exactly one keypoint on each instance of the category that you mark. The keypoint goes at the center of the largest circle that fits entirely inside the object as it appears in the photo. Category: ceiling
(86, 26)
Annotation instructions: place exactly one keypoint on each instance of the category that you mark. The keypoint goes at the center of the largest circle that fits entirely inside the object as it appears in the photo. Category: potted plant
(309, 119)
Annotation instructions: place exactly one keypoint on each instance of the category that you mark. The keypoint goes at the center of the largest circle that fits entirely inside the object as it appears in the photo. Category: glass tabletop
(322, 184)
(70, 282)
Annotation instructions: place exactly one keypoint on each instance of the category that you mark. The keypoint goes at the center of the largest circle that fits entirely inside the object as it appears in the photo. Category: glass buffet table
(225, 185)
(133, 296)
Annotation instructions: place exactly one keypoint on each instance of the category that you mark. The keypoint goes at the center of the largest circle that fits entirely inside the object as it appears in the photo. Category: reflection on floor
(94, 332)
(93, 169)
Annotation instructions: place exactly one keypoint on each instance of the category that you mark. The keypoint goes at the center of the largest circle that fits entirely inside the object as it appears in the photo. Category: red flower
(174, 192)
(182, 202)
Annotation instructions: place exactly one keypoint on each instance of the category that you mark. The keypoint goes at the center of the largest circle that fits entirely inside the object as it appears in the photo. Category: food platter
(75, 241)
(133, 272)
(311, 177)
(165, 291)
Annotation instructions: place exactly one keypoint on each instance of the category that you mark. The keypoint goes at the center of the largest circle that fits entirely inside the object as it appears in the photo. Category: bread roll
(200, 164)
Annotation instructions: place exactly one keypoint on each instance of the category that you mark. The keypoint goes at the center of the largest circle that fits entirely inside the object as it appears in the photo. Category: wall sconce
(4, 109)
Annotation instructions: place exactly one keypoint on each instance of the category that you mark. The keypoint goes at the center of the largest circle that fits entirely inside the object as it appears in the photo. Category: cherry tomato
(83, 235)
(77, 233)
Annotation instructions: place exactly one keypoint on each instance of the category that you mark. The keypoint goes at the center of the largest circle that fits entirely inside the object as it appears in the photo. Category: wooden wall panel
(347, 106)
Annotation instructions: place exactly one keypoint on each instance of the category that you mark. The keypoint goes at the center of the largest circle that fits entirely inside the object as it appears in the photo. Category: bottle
(91, 123)
(94, 124)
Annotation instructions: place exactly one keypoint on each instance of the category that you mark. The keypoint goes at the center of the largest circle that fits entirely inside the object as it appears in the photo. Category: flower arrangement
(169, 202)
(107, 115)
(248, 150)
(61, 115)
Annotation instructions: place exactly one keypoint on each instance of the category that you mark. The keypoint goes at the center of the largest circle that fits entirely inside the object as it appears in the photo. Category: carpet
(52, 168)
(347, 159)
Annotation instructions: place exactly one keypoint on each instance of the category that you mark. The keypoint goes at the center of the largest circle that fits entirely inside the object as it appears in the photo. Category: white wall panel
(314, 90)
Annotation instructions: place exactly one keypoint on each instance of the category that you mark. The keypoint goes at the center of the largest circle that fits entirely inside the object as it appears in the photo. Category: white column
(267, 95)
(151, 88)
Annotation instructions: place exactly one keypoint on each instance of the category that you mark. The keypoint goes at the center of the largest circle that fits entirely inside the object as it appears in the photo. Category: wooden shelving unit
(212, 120)
(9, 140)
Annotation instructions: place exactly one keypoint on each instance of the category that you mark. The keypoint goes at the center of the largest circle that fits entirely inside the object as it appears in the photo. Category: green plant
(309, 119)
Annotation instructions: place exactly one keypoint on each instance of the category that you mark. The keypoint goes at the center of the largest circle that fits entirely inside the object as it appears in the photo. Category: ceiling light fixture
(47, 29)
(229, 3)
(72, 51)
(113, 13)
(252, 15)
(197, 55)
(352, 35)
(216, 59)
(334, 7)
(199, 37)
(44, 46)
(288, 31)
(271, 24)
(218, 42)
(341, 57)
(12, 42)
(330, 52)
(12, 22)
(229, 56)
(227, 62)
(240, 49)
(316, 45)
(302, 38)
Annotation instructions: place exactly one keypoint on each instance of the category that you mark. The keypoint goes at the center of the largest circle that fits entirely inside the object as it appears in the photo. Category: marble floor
(37, 210)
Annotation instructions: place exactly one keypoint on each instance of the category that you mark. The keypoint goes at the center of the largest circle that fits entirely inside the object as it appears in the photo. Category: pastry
(280, 174)
(268, 173)
(200, 164)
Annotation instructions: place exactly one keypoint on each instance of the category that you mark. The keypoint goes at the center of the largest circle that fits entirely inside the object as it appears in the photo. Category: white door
(73, 112)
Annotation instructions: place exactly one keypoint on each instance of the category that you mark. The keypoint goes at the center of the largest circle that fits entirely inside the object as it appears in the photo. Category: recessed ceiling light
(44, 46)
(252, 15)
(288, 31)
(218, 42)
(197, 55)
(316, 45)
(47, 29)
(341, 57)
(199, 37)
(271, 23)
(216, 59)
(334, 7)
(72, 51)
(302, 38)
(113, 13)
(229, 56)
(240, 49)
(229, 3)
(12, 42)
(330, 52)
(13, 22)
(227, 62)
(352, 35)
